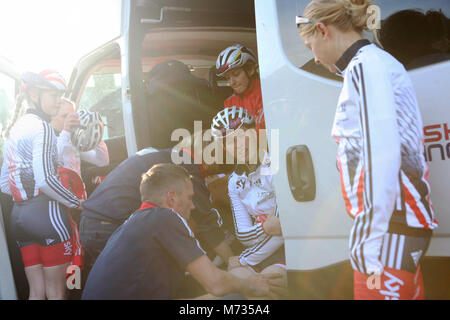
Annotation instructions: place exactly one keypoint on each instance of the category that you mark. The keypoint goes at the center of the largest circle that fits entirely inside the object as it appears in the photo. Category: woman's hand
(272, 225)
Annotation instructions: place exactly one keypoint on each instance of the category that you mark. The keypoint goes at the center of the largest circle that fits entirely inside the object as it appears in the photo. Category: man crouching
(148, 255)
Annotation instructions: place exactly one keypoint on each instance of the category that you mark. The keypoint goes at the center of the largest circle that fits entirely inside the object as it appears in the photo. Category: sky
(42, 34)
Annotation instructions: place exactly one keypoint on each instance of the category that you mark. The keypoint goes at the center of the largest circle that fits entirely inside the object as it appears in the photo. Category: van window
(430, 48)
(103, 94)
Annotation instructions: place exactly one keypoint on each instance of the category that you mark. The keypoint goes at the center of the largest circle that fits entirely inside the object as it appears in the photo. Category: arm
(262, 250)
(382, 159)
(208, 220)
(219, 282)
(224, 250)
(44, 171)
(179, 242)
(98, 156)
(247, 233)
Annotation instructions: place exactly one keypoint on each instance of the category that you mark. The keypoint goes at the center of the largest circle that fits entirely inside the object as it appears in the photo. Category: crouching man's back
(145, 258)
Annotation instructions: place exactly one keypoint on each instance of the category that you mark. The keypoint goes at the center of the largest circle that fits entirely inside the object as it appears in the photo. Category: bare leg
(55, 281)
(36, 281)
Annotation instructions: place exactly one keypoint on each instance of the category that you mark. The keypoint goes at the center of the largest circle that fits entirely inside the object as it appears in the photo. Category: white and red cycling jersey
(30, 162)
(252, 197)
(69, 157)
(384, 175)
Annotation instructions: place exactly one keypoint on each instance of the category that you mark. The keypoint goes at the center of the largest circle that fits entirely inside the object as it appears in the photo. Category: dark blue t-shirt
(145, 258)
(118, 196)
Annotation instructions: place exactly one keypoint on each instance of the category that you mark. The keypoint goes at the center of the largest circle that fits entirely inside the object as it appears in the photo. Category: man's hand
(233, 262)
(265, 285)
(71, 121)
(272, 225)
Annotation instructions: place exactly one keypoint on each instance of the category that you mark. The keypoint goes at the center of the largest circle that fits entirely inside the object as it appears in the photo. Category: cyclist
(66, 122)
(80, 138)
(239, 66)
(39, 219)
(378, 128)
(252, 197)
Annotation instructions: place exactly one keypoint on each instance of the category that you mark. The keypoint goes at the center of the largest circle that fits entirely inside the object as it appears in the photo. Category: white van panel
(433, 94)
(302, 120)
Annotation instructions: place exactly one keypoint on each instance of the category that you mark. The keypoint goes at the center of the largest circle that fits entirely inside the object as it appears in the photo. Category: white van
(299, 103)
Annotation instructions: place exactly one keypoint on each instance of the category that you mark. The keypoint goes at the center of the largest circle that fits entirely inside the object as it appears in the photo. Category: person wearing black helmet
(39, 219)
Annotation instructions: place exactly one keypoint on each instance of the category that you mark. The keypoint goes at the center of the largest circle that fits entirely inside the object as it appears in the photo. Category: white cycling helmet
(230, 119)
(234, 57)
(90, 132)
(45, 80)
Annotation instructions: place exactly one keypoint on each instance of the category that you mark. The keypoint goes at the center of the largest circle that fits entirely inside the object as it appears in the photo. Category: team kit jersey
(252, 197)
(30, 164)
(384, 176)
(145, 258)
(69, 157)
(250, 100)
(39, 219)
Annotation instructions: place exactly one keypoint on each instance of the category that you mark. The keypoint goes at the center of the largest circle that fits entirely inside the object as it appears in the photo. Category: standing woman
(378, 128)
(39, 220)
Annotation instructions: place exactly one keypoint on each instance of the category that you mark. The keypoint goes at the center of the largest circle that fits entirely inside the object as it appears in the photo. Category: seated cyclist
(239, 66)
(252, 197)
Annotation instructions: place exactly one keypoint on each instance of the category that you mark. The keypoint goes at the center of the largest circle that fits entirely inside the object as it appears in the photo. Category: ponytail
(18, 111)
(343, 14)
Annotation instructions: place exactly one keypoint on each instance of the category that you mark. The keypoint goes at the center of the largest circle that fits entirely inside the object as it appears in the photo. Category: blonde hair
(22, 103)
(343, 14)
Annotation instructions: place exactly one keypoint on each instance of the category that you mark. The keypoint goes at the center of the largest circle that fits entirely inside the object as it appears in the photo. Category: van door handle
(300, 171)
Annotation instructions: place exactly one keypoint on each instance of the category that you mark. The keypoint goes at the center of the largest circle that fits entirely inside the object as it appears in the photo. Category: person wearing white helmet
(80, 138)
(252, 198)
(239, 66)
(79, 141)
(39, 219)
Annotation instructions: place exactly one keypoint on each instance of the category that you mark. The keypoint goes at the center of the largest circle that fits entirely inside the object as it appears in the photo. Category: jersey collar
(146, 205)
(348, 55)
(41, 114)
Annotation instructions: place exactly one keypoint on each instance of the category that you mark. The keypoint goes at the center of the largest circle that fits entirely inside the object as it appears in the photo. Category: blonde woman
(378, 129)
(39, 220)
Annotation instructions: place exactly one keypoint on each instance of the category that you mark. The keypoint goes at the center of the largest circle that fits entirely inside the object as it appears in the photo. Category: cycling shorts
(42, 229)
(402, 276)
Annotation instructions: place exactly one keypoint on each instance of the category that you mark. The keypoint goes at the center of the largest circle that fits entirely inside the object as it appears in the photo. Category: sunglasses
(302, 20)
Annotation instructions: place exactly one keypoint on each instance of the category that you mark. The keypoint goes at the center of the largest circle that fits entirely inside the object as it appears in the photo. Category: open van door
(9, 81)
(299, 105)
